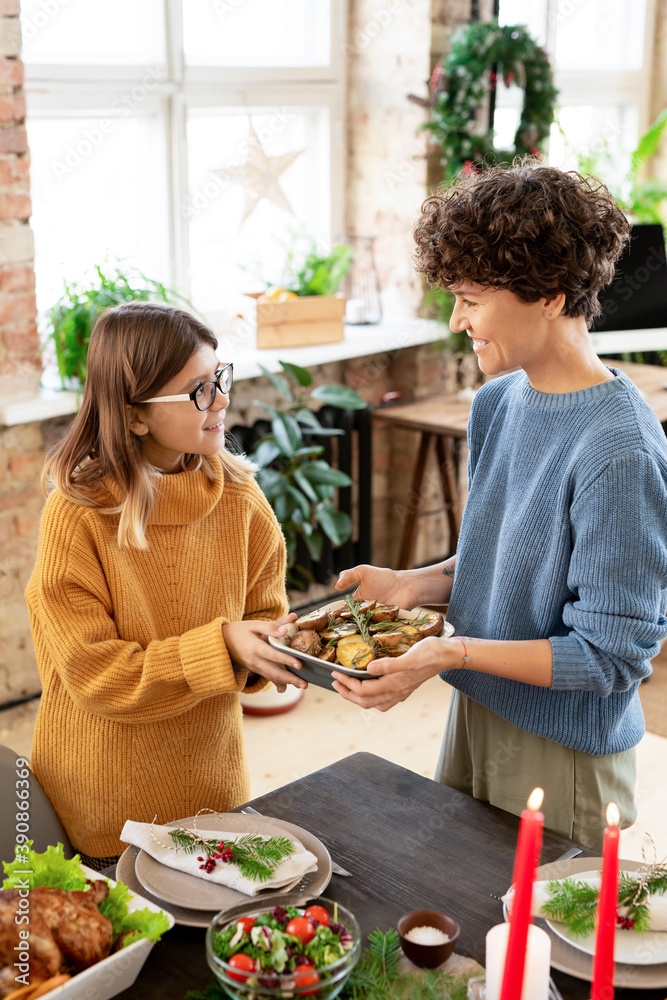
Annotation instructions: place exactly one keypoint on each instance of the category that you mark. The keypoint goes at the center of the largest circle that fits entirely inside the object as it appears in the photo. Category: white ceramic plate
(630, 948)
(568, 957)
(317, 671)
(116, 973)
(192, 900)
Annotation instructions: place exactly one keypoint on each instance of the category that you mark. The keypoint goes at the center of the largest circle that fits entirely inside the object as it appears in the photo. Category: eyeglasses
(204, 395)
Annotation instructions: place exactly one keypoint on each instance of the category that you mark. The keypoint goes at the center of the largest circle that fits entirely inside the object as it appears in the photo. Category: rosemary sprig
(361, 619)
(256, 857)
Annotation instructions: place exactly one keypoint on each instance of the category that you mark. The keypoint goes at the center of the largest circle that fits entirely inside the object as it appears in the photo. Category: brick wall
(21, 448)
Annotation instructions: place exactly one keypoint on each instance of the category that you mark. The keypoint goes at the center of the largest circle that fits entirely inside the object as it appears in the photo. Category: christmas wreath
(480, 52)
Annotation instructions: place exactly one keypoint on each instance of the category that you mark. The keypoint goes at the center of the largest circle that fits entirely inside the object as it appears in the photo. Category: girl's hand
(387, 586)
(248, 646)
(399, 677)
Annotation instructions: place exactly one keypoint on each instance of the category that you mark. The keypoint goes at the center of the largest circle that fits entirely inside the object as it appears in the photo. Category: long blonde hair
(135, 349)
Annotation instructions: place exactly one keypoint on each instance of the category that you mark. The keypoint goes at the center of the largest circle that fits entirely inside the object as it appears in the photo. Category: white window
(600, 51)
(191, 138)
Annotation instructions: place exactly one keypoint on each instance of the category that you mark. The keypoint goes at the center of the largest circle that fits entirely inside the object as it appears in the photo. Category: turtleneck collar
(182, 497)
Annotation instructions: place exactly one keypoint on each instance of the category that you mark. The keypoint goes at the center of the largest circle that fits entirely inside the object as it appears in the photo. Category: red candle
(527, 855)
(605, 934)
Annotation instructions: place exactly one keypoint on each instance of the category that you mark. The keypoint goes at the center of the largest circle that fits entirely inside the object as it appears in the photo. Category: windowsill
(390, 335)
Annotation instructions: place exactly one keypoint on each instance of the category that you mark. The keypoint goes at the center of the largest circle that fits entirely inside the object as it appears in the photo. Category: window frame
(54, 90)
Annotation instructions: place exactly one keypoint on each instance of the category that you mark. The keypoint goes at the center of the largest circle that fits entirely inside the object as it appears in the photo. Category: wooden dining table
(409, 842)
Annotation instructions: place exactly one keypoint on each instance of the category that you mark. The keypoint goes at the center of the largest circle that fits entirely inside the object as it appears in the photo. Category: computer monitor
(634, 305)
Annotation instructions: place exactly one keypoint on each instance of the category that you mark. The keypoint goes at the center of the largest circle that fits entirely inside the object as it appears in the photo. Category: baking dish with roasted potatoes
(347, 635)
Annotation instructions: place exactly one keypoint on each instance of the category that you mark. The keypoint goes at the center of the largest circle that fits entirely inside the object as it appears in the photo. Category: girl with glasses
(160, 577)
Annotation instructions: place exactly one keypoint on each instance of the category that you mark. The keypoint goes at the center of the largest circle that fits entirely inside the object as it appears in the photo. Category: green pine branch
(574, 903)
(256, 857)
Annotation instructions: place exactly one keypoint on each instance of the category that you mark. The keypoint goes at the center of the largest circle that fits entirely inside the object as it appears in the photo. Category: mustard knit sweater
(140, 712)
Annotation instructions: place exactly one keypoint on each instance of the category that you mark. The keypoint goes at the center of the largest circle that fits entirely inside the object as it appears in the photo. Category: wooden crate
(311, 319)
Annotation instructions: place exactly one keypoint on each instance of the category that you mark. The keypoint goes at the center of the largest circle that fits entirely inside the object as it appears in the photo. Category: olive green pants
(491, 759)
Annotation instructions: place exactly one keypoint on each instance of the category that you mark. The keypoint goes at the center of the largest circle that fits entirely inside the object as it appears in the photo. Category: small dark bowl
(428, 956)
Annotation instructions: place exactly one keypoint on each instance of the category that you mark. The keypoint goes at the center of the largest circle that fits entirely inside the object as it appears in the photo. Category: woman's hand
(248, 646)
(399, 677)
(387, 586)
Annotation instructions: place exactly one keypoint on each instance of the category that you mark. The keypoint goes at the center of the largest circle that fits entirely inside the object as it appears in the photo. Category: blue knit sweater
(564, 537)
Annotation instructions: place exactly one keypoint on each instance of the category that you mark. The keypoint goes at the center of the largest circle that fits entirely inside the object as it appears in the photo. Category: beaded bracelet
(466, 658)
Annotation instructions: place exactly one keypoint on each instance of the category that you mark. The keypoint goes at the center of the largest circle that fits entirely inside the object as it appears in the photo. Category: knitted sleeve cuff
(207, 667)
(571, 667)
(255, 684)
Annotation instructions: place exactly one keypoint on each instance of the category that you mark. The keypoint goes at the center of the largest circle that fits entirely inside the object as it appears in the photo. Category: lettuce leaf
(52, 868)
(114, 907)
(144, 924)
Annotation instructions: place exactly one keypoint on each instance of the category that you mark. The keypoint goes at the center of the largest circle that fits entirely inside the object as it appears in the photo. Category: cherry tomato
(318, 913)
(306, 976)
(302, 928)
(241, 962)
(246, 923)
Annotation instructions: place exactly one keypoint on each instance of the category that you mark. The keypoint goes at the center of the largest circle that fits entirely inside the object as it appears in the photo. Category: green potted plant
(72, 318)
(297, 482)
(304, 308)
(642, 200)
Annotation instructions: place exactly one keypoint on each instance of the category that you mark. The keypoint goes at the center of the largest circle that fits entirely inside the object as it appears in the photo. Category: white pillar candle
(538, 958)
(355, 311)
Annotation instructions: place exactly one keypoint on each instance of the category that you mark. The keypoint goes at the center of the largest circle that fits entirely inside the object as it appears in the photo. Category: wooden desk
(445, 421)
(409, 842)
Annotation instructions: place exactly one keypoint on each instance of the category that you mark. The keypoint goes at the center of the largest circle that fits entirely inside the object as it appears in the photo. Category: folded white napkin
(157, 842)
(657, 904)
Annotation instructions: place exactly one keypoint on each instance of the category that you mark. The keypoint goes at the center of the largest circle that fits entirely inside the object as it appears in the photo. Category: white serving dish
(116, 973)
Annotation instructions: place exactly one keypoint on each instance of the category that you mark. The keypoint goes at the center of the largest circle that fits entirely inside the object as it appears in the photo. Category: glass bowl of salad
(285, 951)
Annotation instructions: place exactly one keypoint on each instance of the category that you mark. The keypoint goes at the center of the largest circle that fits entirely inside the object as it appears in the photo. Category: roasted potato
(411, 635)
(316, 620)
(386, 640)
(354, 653)
(338, 631)
(328, 654)
(364, 607)
(433, 625)
(385, 613)
(403, 647)
(307, 641)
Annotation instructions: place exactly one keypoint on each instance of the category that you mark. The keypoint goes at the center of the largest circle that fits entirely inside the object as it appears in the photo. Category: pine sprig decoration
(574, 902)
(377, 976)
(256, 857)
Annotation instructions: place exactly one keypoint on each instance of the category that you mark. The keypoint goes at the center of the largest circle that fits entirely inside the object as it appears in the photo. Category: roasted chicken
(67, 932)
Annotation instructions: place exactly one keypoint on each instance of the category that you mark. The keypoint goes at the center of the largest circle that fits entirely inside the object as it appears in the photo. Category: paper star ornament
(259, 175)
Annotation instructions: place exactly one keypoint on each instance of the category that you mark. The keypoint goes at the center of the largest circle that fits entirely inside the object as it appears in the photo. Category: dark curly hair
(532, 229)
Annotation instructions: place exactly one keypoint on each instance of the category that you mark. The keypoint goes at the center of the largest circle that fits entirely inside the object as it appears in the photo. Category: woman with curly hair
(559, 585)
